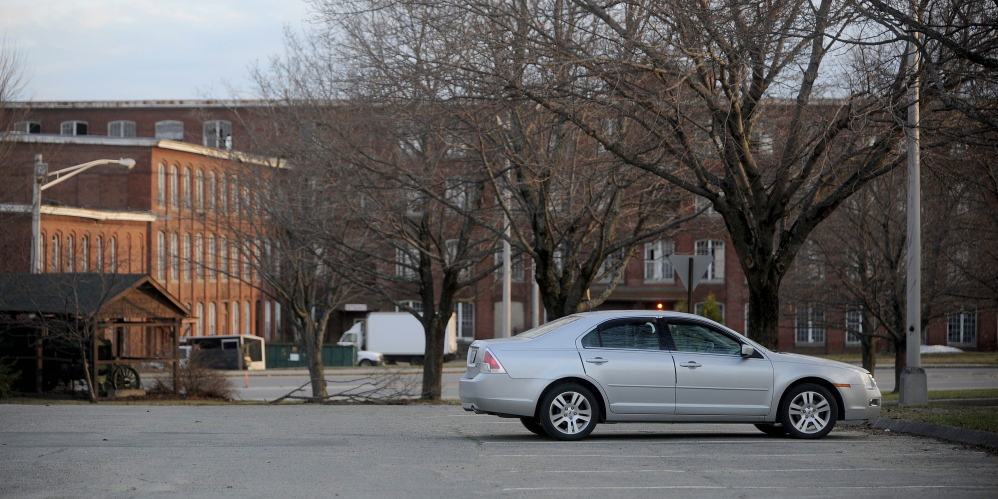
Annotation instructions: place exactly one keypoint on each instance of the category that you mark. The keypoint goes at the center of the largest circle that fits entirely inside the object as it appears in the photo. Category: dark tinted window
(640, 334)
(699, 338)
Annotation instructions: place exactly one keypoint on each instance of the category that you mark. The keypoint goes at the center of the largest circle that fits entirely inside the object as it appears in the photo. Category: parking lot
(441, 451)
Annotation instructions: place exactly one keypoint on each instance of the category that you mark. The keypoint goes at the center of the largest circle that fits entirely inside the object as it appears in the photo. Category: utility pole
(913, 389)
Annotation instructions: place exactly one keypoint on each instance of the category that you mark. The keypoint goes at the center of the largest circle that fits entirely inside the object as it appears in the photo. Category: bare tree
(12, 114)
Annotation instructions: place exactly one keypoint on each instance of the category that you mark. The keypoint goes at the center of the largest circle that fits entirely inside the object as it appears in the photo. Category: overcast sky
(144, 49)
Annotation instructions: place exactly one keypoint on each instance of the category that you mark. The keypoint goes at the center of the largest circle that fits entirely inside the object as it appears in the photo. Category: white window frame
(658, 267)
(170, 130)
(854, 322)
(961, 328)
(26, 126)
(715, 249)
(72, 127)
(161, 256)
(810, 320)
(217, 134)
(121, 128)
(464, 317)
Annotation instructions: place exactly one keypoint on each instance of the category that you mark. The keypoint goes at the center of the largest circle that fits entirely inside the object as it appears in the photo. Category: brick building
(146, 220)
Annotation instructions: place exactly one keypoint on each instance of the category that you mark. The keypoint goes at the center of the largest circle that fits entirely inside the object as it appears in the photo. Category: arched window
(161, 185)
(199, 256)
(174, 256)
(187, 257)
(99, 250)
(112, 254)
(212, 319)
(70, 254)
(161, 256)
(234, 264)
(74, 127)
(210, 198)
(235, 317)
(247, 313)
(121, 128)
(55, 253)
(212, 258)
(218, 134)
(223, 258)
(85, 254)
(174, 194)
(199, 190)
(223, 194)
(199, 312)
(187, 188)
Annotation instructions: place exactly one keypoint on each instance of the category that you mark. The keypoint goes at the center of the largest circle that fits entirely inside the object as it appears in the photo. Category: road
(263, 451)
(271, 384)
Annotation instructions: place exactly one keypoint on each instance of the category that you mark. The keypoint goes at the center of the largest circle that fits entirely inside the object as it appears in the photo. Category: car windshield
(547, 328)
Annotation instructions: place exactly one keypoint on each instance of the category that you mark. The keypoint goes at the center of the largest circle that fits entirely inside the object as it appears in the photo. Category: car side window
(698, 338)
(643, 334)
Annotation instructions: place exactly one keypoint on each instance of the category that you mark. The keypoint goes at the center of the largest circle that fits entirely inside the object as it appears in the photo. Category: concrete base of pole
(914, 389)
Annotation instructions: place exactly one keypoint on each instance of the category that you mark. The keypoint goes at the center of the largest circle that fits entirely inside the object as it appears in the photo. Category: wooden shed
(52, 325)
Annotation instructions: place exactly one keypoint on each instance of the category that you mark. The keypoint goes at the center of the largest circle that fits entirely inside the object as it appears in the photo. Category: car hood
(794, 358)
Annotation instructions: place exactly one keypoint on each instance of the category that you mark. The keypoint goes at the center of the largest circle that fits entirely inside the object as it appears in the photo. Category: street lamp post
(39, 185)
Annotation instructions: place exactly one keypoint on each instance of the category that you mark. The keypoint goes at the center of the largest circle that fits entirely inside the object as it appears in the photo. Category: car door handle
(690, 364)
(599, 361)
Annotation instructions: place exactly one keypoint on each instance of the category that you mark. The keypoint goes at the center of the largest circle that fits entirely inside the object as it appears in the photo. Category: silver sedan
(563, 378)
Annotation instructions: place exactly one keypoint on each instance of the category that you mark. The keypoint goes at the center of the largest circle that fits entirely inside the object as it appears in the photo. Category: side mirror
(747, 350)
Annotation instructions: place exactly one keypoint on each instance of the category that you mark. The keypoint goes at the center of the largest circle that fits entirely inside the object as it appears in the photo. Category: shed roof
(80, 294)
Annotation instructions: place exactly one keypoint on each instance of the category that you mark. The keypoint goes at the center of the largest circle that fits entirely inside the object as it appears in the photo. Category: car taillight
(490, 364)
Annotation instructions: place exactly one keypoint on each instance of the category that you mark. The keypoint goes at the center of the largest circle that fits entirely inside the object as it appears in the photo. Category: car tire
(569, 412)
(772, 429)
(416, 360)
(808, 411)
(534, 426)
(365, 363)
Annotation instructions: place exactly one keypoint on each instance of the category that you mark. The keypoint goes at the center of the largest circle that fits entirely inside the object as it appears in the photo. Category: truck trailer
(398, 336)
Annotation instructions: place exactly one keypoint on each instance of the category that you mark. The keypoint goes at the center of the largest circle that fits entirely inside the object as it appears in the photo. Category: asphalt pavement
(264, 451)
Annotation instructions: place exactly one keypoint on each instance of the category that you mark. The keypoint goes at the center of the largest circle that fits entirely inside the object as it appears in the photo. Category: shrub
(197, 381)
(8, 377)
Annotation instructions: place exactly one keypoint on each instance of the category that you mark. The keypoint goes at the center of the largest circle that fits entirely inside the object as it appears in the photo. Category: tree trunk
(764, 312)
(311, 340)
(433, 359)
(900, 360)
(869, 346)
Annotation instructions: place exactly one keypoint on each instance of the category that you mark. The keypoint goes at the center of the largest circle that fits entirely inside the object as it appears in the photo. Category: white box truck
(398, 336)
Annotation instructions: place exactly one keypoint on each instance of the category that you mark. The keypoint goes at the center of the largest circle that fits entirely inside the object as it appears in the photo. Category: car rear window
(547, 328)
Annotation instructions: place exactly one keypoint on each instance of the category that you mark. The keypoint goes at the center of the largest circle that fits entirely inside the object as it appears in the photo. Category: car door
(625, 356)
(712, 377)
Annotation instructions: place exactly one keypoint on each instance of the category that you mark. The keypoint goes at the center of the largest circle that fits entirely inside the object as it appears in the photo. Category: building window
(70, 255)
(714, 248)
(218, 134)
(234, 257)
(698, 310)
(222, 194)
(234, 312)
(247, 313)
(212, 318)
(199, 256)
(112, 254)
(961, 329)
(161, 256)
(211, 258)
(73, 128)
(199, 190)
(658, 267)
(199, 325)
(100, 253)
(121, 128)
(161, 185)
(55, 254)
(187, 188)
(854, 327)
(810, 326)
(267, 333)
(465, 318)
(210, 197)
(223, 260)
(187, 257)
(405, 262)
(611, 261)
(174, 191)
(85, 254)
(170, 130)
(174, 256)
(413, 304)
(27, 127)
(516, 269)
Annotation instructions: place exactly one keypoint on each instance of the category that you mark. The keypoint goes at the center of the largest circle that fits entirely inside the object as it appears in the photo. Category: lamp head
(127, 162)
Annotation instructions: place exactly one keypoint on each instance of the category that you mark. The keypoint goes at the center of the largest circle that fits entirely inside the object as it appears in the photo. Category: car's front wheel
(365, 363)
(569, 412)
(808, 411)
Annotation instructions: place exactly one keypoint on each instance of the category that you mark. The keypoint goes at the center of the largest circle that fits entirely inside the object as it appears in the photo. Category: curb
(941, 431)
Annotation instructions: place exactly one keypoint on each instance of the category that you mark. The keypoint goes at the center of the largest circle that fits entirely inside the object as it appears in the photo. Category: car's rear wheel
(772, 429)
(366, 363)
(808, 411)
(569, 412)
(533, 425)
